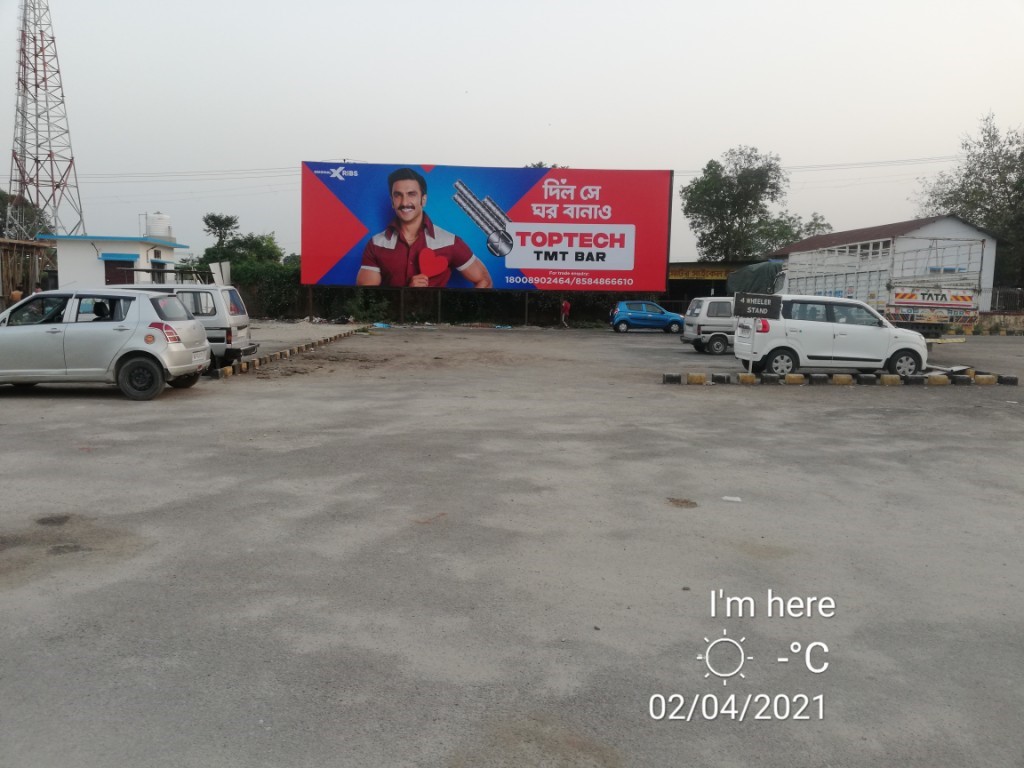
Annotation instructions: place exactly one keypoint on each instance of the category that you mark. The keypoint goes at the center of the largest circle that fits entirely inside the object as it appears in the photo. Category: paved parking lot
(455, 547)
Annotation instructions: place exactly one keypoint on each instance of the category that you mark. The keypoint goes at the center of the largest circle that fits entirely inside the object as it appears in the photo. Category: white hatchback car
(136, 339)
(825, 332)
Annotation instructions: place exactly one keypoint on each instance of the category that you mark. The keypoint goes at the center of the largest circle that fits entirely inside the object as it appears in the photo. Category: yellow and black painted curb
(968, 377)
(239, 367)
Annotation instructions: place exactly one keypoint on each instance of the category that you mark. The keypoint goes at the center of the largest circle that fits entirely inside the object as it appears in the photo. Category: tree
(220, 226)
(728, 206)
(233, 247)
(35, 219)
(987, 190)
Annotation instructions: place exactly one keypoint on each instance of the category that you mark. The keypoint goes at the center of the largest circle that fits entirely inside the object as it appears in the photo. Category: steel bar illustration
(487, 215)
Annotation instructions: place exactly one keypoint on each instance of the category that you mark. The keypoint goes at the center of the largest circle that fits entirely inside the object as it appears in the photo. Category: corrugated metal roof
(868, 234)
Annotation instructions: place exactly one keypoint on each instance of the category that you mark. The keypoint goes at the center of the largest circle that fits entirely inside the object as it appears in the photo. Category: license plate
(198, 357)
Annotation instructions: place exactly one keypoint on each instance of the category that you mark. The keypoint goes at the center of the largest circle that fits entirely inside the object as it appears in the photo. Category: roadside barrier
(247, 366)
(968, 378)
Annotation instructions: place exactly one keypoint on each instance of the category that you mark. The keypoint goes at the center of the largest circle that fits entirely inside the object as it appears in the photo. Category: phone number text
(740, 707)
(568, 281)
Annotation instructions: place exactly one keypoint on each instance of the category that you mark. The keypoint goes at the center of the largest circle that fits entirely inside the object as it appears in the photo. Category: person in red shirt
(413, 251)
(565, 312)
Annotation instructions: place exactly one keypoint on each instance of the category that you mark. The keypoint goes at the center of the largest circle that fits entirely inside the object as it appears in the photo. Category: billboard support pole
(526, 308)
(401, 305)
(439, 306)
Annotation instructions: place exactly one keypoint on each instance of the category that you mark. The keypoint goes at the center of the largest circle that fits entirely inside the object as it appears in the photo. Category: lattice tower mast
(42, 163)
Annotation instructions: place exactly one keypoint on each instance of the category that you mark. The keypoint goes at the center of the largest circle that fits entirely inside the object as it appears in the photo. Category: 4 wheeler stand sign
(521, 229)
(758, 305)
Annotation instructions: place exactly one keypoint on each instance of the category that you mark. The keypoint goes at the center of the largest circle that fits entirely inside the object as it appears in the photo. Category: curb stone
(245, 366)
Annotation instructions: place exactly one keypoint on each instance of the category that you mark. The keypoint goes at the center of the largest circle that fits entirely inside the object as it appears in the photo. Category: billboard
(554, 229)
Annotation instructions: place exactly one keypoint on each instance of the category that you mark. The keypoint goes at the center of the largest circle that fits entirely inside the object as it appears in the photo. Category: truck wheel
(140, 379)
(621, 327)
(906, 362)
(717, 345)
(782, 361)
(673, 327)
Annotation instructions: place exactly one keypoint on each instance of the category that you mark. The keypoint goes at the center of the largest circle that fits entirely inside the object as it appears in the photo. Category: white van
(709, 324)
(222, 312)
(824, 332)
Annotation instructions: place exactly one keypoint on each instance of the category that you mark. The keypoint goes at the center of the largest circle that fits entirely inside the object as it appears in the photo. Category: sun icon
(729, 657)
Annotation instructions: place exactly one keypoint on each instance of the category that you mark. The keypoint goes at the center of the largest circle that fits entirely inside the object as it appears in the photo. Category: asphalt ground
(479, 547)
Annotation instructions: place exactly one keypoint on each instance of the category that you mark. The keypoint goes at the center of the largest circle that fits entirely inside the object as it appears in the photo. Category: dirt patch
(684, 503)
(59, 541)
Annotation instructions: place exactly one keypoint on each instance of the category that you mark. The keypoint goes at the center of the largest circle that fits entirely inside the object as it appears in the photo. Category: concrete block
(795, 378)
(868, 379)
(721, 378)
(890, 380)
(770, 378)
(938, 380)
(1008, 380)
(842, 379)
(671, 378)
(818, 378)
(985, 379)
(960, 380)
(917, 380)
(748, 378)
(696, 378)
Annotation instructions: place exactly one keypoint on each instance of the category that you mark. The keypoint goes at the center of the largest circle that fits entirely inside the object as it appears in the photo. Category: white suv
(825, 332)
(709, 324)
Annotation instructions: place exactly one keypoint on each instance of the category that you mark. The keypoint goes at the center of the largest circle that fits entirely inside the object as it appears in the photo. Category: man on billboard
(413, 251)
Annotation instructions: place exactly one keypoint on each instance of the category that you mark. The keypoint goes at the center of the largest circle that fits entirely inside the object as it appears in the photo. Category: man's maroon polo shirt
(398, 262)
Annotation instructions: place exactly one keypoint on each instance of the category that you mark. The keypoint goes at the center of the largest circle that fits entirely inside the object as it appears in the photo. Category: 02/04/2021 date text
(739, 707)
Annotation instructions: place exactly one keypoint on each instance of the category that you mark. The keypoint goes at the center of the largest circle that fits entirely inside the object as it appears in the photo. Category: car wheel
(698, 345)
(673, 328)
(757, 367)
(621, 327)
(782, 361)
(717, 345)
(905, 363)
(140, 379)
(184, 382)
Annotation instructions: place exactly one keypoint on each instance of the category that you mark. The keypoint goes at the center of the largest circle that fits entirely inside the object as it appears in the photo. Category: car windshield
(170, 308)
(234, 302)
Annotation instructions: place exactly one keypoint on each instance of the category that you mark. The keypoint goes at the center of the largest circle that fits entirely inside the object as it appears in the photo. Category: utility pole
(44, 184)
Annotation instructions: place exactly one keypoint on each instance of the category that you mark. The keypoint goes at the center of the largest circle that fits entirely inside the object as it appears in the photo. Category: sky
(210, 106)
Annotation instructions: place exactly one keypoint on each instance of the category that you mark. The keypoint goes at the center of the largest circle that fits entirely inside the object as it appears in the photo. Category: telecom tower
(42, 164)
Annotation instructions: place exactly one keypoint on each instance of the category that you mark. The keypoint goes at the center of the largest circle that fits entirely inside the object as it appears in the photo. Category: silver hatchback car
(136, 339)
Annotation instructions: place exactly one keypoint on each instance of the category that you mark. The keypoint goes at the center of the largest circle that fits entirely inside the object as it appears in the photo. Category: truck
(929, 285)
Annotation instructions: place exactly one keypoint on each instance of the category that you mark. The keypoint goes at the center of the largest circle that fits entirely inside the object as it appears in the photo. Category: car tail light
(228, 337)
(761, 326)
(168, 331)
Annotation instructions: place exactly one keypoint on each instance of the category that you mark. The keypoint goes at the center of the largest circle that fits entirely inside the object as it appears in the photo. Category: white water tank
(158, 225)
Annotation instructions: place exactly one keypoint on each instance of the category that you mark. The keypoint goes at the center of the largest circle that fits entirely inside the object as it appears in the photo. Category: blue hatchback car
(644, 314)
